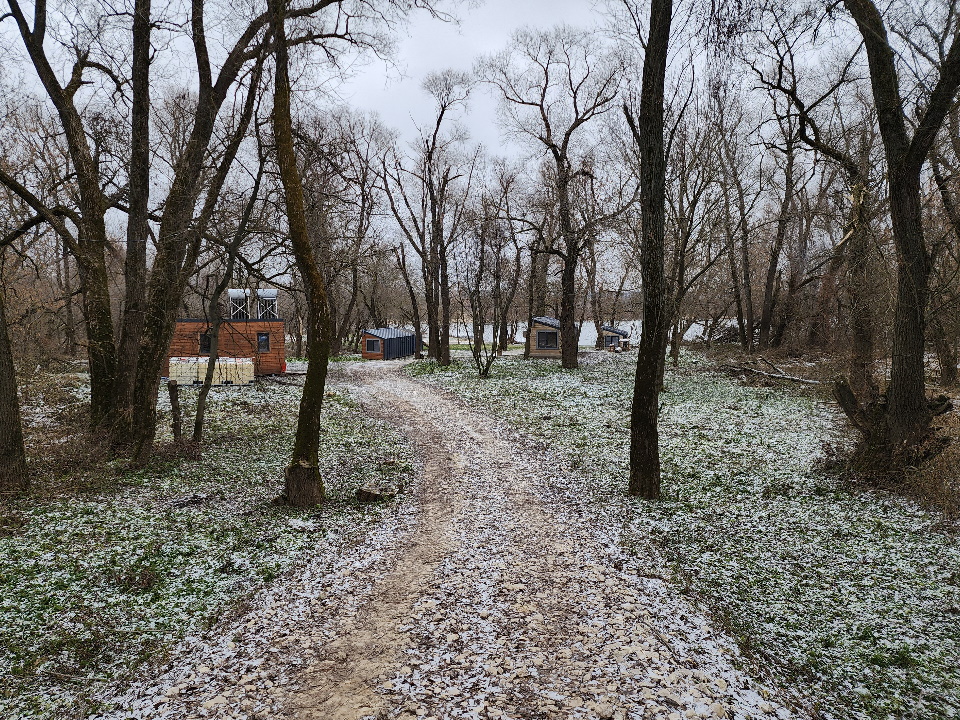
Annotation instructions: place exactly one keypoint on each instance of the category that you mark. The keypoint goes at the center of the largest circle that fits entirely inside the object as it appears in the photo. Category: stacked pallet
(227, 371)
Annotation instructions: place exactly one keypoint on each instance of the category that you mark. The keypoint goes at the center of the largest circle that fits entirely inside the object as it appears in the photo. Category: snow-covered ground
(96, 582)
(515, 579)
(852, 597)
(503, 599)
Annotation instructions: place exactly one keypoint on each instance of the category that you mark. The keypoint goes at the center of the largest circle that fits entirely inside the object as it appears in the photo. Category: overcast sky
(430, 44)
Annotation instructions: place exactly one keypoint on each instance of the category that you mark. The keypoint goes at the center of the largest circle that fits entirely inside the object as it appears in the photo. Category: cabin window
(263, 342)
(238, 308)
(268, 308)
(204, 343)
(613, 340)
(547, 339)
(373, 346)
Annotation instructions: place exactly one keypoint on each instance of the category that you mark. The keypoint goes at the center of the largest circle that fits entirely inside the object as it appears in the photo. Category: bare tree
(553, 84)
(904, 420)
(200, 163)
(13, 457)
(304, 486)
(427, 199)
(341, 172)
(850, 150)
(491, 257)
(229, 256)
(647, 128)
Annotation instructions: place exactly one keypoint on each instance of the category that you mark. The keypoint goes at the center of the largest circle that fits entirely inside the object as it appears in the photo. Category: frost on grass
(94, 583)
(852, 597)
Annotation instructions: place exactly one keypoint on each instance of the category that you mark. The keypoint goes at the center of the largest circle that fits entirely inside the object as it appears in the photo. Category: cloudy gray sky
(430, 44)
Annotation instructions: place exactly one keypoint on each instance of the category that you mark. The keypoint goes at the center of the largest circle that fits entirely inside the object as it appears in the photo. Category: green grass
(95, 583)
(852, 597)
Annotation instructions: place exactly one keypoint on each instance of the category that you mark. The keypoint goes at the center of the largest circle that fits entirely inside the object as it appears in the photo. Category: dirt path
(508, 602)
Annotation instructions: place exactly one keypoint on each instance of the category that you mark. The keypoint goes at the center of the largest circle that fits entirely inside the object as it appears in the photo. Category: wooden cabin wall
(552, 353)
(363, 348)
(238, 338)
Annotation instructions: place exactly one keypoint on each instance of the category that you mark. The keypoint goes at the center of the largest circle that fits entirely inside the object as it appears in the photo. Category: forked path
(509, 600)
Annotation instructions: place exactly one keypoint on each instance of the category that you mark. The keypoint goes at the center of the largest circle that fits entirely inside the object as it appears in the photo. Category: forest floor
(514, 578)
(502, 599)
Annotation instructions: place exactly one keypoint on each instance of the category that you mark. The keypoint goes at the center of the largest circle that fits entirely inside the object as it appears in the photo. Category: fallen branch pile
(777, 373)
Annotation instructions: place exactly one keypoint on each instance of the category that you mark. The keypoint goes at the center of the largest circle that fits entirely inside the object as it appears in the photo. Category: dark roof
(548, 321)
(615, 331)
(388, 333)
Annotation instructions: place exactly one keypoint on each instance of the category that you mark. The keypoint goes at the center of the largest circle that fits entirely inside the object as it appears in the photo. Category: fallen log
(774, 376)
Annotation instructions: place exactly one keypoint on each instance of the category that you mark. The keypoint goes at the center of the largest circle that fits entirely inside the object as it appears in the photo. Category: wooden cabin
(614, 338)
(545, 338)
(387, 344)
(261, 339)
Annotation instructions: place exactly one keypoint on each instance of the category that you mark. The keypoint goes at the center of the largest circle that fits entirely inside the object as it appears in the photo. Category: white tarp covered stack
(228, 371)
(233, 371)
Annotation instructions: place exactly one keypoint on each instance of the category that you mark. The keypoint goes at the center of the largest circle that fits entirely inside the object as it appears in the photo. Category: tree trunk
(304, 486)
(13, 457)
(569, 333)
(213, 307)
(648, 132)
(798, 270)
(946, 354)
(735, 274)
(401, 254)
(676, 337)
(511, 294)
(863, 380)
(594, 291)
(536, 293)
(946, 351)
(178, 246)
(444, 349)
(907, 412)
(346, 322)
(135, 263)
(70, 323)
(742, 232)
(569, 339)
(101, 350)
(818, 334)
(783, 222)
(431, 297)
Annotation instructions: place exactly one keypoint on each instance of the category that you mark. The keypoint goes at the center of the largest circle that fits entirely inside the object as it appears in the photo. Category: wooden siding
(238, 338)
(536, 352)
(363, 348)
(606, 339)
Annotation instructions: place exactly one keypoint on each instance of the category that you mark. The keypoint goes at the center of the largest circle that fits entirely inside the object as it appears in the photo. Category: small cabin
(614, 338)
(253, 331)
(545, 337)
(387, 344)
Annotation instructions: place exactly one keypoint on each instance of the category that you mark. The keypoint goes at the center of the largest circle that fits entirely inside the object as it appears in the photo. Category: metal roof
(615, 331)
(548, 321)
(387, 333)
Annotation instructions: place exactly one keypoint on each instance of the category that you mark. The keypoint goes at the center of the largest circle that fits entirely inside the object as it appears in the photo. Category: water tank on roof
(238, 304)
